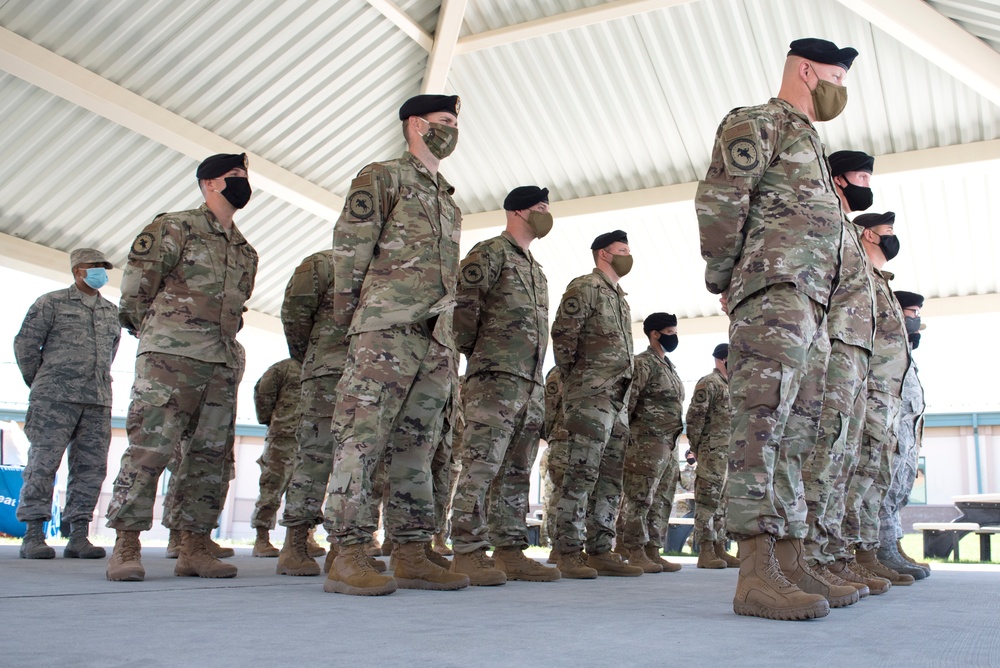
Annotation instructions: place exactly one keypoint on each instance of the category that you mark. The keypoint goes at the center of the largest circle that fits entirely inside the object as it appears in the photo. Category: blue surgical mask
(96, 277)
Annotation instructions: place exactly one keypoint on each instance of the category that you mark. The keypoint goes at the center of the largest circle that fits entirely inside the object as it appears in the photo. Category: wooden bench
(946, 534)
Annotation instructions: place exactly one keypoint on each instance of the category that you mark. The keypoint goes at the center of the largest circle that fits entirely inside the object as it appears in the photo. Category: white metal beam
(445, 40)
(404, 22)
(579, 18)
(49, 71)
(938, 39)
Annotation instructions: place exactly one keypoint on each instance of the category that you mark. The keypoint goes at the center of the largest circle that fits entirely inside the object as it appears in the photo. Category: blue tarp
(11, 481)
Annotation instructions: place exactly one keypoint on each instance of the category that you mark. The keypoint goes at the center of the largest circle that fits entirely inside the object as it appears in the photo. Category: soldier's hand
(724, 302)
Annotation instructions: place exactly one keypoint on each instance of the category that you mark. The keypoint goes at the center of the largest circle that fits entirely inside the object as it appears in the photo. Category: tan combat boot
(833, 578)
(763, 591)
(196, 559)
(653, 552)
(330, 556)
(374, 548)
(216, 550)
(553, 557)
(855, 574)
(516, 566)
(573, 565)
(79, 546)
(706, 556)
(174, 544)
(481, 573)
(609, 563)
(379, 566)
(351, 573)
(387, 547)
(441, 545)
(125, 564)
(314, 548)
(294, 557)
(720, 552)
(906, 557)
(436, 558)
(637, 557)
(869, 560)
(262, 546)
(33, 544)
(415, 571)
(788, 552)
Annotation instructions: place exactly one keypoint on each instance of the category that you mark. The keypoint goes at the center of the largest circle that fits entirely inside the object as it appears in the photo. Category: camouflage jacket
(592, 336)
(708, 415)
(852, 306)
(313, 336)
(553, 404)
(276, 398)
(655, 406)
(396, 249)
(913, 410)
(185, 285)
(65, 348)
(502, 315)
(768, 211)
(891, 354)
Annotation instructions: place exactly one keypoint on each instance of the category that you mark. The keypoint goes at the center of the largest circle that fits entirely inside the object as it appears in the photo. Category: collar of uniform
(509, 238)
(662, 359)
(724, 379)
(616, 288)
(233, 234)
(887, 275)
(75, 292)
(440, 181)
(791, 109)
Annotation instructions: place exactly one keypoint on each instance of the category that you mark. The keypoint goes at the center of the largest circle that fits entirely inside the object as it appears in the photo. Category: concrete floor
(64, 612)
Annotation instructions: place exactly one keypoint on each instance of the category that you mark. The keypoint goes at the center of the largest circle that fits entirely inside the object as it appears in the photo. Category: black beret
(869, 220)
(842, 162)
(909, 299)
(822, 51)
(608, 238)
(428, 104)
(658, 321)
(215, 166)
(721, 351)
(525, 197)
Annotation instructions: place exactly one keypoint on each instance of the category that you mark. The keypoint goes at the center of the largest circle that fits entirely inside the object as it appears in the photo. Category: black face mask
(858, 197)
(889, 243)
(237, 191)
(691, 461)
(914, 340)
(912, 324)
(668, 342)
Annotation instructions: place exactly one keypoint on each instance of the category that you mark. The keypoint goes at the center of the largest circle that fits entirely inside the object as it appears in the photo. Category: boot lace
(773, 570)
(130, 548)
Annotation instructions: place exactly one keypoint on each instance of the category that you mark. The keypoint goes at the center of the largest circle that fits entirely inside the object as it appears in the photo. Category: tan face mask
(622, 264)
(540, 223)
(828, 100)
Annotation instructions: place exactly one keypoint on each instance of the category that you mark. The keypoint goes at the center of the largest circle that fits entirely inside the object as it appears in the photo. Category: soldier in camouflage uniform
(396, 261)
(708, 433)
(889, 362)
(771, 228)
(188, 277)
(655, 418)
(904, 465)
(502, 327)
(276, 399)
(64, 351)
(592, 342)
(554, 456)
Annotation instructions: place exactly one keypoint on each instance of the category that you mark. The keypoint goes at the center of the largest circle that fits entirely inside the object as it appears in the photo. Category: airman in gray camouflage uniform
(276, 399)
(771, 230)
(592, 342)
(502, 327)
(188, 277)
(396, 255)
(64, 351)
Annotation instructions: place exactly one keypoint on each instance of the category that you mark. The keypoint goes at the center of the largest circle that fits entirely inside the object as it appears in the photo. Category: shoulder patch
(744, 129)
(361, 204)
(571, 306)
(743, 154)
(362, 181)
(473, 273)
(143, 244)
(701, 396)
(302, 281)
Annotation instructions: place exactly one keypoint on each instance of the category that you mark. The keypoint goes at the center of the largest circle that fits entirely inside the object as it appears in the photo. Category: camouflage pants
(555, 457)
(314, 457)
(904, 474)
(177, 400)
(172, 516)
(840, 425)
(441, 472)
(503, 419)
(658, 520)
(645, 463)
(593, 468)
(778, 350)
(871, 478)
(53, 427)
(391, 402)
(276, 466)
(709, 485)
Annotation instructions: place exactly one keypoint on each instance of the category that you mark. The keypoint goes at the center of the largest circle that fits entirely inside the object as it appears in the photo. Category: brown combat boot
(720, 552)
(481, 573)
(415, 571)
(830, 576)
(516, 566)
(196, 559)
(174, 544)
(216, 550)
(436, 558)
(869, 560)
(653, 552)
(125, 564)
(294, 557)
(788, 552)
(706, 556)
(441, 545)
(33, 544)
(553, 557)
(856, 574)
(573, 565)
(609, 563)
(262, 546)
(906, 557)
(351, 573)
(763, 591)
(387, 547)
(314, 548)
(79, 546)
(331, 555)
(637, 557)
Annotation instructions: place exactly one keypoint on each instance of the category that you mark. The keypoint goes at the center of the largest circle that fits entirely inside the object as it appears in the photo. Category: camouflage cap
(216, 165)
(88, 256)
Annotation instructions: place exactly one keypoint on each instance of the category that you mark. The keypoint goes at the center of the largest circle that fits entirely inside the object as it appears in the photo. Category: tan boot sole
(134, 576)
(812, 611)
(416, 583)
(266, 553)
(191, 572)
(338, 587)
(303, 571)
